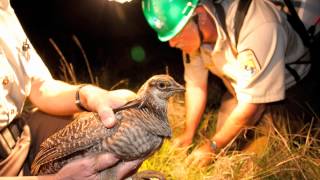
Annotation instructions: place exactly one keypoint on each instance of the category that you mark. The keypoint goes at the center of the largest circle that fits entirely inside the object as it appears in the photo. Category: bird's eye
(162, 85)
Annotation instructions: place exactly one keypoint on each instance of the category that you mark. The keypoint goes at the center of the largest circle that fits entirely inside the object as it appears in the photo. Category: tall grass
(274, 153)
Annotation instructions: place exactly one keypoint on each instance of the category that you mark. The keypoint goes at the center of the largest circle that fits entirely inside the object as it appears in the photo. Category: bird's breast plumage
(135, 136)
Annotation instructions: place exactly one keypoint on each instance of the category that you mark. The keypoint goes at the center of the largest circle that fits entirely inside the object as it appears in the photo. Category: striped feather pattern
(141, 126)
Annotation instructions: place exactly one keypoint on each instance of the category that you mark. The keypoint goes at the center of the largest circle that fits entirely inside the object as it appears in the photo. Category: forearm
(243, 115)
(54, 97)
(196, 98)
(58, 98)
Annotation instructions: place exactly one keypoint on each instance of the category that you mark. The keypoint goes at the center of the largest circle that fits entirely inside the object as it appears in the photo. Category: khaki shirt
(307, 10)
(18, 65)
(266, 43)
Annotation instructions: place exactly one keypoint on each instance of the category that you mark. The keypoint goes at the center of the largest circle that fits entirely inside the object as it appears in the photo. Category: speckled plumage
(142, 125)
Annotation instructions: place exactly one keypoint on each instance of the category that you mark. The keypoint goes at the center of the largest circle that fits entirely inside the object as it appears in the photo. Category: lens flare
(138, 54)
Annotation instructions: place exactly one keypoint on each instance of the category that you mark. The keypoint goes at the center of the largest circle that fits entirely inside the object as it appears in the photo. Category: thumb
(104, 161)
(107, 117)
(126, 168)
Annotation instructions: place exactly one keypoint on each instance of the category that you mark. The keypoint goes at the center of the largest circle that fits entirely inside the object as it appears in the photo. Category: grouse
(142, 124)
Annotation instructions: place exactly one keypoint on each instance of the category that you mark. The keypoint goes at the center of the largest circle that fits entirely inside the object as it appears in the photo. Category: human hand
(90, 168)
(201, 156)
(117, 98)
(183, 141)
(103, 101)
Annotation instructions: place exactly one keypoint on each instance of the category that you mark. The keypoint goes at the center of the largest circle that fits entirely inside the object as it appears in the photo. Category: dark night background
(107, 31)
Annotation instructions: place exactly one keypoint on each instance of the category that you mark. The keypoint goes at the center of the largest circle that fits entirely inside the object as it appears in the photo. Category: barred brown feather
(142, 125)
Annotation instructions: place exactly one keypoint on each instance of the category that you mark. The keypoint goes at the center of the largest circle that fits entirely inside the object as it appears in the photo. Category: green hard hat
(168, 17)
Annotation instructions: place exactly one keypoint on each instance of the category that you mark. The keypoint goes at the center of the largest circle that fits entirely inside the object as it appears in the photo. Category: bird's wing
(85, 131)
(155, 122)
(135, 103)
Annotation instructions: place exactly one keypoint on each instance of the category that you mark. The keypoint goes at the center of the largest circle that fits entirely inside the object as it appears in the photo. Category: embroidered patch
(248, 62)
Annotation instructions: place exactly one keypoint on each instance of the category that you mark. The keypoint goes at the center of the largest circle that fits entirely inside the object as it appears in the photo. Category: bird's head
(160, 87)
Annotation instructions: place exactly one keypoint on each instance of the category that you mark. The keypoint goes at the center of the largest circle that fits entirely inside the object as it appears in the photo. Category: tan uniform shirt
(18, 65)
(266, 43)
(307, 10)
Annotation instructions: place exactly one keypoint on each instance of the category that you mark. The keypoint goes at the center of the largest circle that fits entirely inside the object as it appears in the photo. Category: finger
(193, 158)
(178, 144)
(203, 163)
(104, 161)
(127, 168)
(189, 160)
(175, 143)
(194, 162)
(107, 117)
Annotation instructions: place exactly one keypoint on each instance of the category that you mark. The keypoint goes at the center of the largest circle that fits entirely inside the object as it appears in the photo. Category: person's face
(188, 39)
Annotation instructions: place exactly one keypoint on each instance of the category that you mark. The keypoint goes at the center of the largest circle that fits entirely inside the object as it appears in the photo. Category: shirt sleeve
(266, 81)
(32, 63)
(195, 72)
(37, 68)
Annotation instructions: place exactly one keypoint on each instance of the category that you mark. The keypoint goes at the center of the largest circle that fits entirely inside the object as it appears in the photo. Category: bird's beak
(178, 87)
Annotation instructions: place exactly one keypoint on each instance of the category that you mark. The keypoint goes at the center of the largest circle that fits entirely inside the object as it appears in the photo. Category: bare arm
(54, 97)
(244, 114)
(196, 78)
(58, 98)
(196, 98)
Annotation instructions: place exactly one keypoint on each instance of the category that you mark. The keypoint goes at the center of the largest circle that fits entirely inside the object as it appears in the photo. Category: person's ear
(201, 15)
(205, 24)
(199, 9)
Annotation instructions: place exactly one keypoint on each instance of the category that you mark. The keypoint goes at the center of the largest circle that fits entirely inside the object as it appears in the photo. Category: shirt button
(5, 81)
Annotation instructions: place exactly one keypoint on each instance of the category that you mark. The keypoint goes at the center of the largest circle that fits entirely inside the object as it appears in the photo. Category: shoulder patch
(248, 61)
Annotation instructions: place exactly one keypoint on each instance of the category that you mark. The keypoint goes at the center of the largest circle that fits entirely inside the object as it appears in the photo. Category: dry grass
(273, 154)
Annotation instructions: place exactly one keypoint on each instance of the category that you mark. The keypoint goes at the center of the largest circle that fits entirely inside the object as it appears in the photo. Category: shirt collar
(222, 36)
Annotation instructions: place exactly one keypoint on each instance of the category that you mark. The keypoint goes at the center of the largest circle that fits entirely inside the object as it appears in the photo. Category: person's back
(309, 12)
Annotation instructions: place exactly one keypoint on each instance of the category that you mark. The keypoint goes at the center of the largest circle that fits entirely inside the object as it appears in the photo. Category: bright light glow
(121, 1)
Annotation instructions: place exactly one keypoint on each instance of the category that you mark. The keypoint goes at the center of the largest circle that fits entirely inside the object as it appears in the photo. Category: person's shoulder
(265, 12)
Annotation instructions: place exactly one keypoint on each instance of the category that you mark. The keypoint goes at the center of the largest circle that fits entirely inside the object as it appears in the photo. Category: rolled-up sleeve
(37, 68)
(195, 73)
